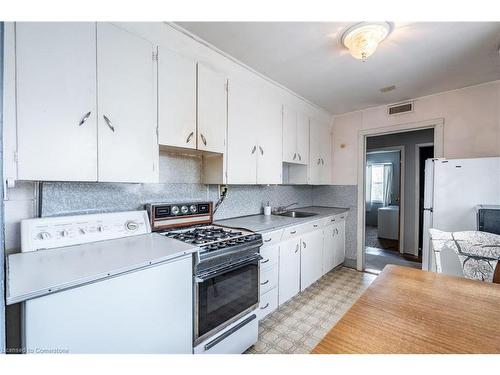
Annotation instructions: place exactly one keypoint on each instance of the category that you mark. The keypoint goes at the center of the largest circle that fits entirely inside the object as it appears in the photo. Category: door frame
(436, 124)
(401, 150)
(418, 146)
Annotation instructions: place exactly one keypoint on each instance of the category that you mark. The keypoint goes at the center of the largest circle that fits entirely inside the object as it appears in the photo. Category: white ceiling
(308, 58)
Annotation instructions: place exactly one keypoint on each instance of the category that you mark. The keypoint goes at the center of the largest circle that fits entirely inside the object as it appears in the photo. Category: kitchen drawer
(294, 231)
(337, 218)
(272, 237)
(270, 255)
(313, 225)
(268, 279)
(268, 303)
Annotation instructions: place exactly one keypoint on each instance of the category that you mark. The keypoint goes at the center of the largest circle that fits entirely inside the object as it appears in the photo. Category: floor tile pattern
(298, 325)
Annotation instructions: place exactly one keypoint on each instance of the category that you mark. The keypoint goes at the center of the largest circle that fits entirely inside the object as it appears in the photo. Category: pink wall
(471, 126)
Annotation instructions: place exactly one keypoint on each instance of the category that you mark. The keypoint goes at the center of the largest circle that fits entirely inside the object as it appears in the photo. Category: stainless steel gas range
(225, 275)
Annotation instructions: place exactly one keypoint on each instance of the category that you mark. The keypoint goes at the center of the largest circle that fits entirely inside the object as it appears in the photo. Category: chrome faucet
(282, 209)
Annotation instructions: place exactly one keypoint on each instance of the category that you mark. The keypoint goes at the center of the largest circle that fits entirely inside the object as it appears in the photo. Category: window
(377, 188)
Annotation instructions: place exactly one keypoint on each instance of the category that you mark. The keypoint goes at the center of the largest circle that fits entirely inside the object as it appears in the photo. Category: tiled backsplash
(66, 198)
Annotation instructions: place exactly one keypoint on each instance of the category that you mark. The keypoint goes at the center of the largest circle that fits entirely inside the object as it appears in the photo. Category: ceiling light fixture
(363, 39)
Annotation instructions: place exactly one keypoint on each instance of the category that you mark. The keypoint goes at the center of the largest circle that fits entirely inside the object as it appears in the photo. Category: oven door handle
(209, 275)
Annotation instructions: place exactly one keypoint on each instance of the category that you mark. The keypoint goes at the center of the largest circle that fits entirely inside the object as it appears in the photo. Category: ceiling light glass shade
(363, 39)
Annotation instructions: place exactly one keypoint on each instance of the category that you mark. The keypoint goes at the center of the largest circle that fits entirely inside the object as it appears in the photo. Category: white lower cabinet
(289, 269)
(339, 243)
(268, 303)
(311, 258)
(328, 248)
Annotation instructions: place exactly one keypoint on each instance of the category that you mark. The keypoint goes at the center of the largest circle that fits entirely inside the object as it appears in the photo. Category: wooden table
(406, 310)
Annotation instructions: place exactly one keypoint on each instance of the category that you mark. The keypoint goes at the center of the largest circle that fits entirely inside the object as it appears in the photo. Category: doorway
(392, 177)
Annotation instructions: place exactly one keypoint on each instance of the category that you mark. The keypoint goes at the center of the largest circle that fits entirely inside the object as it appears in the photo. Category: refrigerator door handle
(427, 209)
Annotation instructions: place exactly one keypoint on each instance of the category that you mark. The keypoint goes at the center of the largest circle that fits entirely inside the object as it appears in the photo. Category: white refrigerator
(453, 189)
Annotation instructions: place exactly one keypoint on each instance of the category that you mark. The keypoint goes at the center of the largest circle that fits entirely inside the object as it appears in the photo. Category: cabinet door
(289, 135)
(269, 159)
(56, 101)
(328, 248)
(302, 138)
(311, 258)
(128, 148)
(315, 142)
(326, 154)
(289, 269)
(241, 134)
(339, 245)
(211, 112)
(176, 100)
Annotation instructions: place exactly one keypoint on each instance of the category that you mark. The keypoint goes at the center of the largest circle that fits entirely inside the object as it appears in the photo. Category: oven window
(225, 296)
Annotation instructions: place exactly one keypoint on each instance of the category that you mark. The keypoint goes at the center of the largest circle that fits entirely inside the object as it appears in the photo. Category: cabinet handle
(203, 139)
(293, 232)
(304, 244)
(108, 122)
(300, 157)
(264, 261)
(261, 150)
(253, 149)
(332, 220)
(342, 217)
(315, 225)
(189, 137)
(265, 282)
(319, 161)
(296, 248)
(265, 307)
(269, 239)
(336, 231)
(322, 161)
(84, 118)
(294, 156)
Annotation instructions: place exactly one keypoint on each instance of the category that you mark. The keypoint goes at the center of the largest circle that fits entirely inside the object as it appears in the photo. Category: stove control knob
(43, 235)
(131, 226)
(193, 208)
(184, 209)
(175, 210)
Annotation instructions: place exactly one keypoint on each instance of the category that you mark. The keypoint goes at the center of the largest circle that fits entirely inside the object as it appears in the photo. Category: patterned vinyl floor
(298, 325)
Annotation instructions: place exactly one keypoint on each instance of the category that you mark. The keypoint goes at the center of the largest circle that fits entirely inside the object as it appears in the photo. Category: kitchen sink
(297, 214)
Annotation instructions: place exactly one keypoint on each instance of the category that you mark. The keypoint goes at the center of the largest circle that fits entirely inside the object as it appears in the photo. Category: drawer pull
(265, 307)
(264, 261)
(315, 225)
(269, 239)
(342, 217)
(304, 244)
(265, 282)
(293, 232)
(296, 248)
(332, 220)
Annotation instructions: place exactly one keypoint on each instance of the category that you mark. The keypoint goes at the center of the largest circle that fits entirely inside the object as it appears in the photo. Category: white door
(326, 154)
(269, 158)
(128, 147)
(289, 135)
(311, 258)
(302, 138)
(315, 164)
(339, 243)
(289, 269)
(211, 110)
(56, 101)
(242, 128)
(328, 248)
(176, 99)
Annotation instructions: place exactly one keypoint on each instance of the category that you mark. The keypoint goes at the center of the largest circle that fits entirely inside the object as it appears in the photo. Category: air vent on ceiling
(400, 108)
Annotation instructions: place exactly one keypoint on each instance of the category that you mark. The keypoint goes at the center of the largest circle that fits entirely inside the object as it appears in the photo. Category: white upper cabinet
(128, 150)
(176, 100)
(320, 153)
(56, 101)
(302, 138)
(211, 113)
(295, 137)
(289, 135)
(242, 134)
(269, 144)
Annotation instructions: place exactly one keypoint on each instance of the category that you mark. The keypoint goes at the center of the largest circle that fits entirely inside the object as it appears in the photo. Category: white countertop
(36, 273)
(262, 223)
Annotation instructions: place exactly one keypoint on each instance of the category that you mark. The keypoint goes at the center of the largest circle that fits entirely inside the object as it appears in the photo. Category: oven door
(225, 296)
